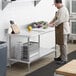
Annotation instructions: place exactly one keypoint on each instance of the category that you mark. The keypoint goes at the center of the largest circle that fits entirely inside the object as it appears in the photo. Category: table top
(35, 32)
(68, 69)
(44, 30)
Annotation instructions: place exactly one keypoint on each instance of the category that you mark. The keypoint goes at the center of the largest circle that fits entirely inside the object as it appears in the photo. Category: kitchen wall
(67, 2)
(23, 13)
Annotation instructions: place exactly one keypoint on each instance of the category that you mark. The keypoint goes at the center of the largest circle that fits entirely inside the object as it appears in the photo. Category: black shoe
(57, 59)
(61, 62)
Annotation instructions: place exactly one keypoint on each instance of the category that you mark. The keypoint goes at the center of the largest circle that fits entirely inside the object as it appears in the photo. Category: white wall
(67, 2)
(25, 12)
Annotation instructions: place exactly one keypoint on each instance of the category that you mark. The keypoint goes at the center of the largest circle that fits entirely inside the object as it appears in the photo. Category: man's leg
(63, 49)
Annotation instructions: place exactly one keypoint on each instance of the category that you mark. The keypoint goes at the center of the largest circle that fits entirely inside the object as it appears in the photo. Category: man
(61, 22)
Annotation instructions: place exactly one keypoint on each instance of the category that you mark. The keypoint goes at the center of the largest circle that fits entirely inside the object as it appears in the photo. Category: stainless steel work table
(36, 32)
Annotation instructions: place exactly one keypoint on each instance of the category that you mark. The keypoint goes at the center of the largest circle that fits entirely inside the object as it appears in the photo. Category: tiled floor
(20, 69)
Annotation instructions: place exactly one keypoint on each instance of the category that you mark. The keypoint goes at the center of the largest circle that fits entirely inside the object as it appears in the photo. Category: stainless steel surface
(3, 58)
(35, 56)
(2, 44)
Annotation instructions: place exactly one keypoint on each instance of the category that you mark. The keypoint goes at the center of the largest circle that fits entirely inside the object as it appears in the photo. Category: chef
(62, 29)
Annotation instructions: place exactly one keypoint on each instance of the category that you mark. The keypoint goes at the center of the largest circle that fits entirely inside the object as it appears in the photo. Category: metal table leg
(55, 51)
(29, 67)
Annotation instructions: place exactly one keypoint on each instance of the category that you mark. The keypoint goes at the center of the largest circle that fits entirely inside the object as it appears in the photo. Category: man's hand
(51, 25)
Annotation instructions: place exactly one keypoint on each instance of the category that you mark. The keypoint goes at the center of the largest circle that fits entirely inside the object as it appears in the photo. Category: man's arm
(63, 16)
(54, 19)
(51, 23)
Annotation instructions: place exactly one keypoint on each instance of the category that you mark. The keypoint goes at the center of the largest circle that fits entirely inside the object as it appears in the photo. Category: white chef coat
(62, 16)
